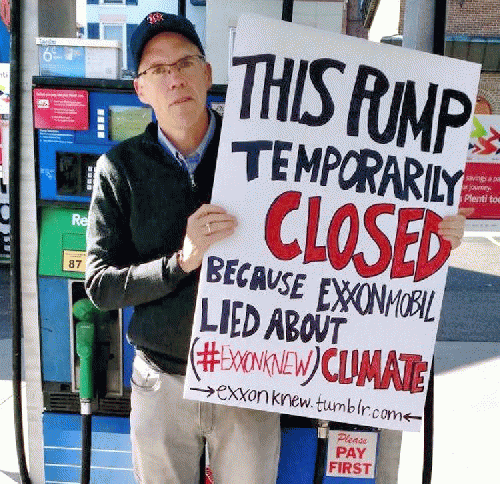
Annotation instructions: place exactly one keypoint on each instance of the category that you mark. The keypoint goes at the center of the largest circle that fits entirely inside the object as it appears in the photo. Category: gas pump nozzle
(88, 316)
(85, 335)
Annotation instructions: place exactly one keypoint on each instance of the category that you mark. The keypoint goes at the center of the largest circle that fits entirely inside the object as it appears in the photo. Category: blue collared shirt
(191, 161)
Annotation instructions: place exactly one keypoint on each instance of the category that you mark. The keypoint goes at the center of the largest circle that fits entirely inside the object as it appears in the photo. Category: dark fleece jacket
(137, 220)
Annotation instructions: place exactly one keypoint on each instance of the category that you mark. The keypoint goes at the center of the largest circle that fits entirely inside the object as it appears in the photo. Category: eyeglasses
(184, 66)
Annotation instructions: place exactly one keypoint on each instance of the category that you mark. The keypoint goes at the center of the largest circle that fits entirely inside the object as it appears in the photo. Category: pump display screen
(75, 173)
(128, 121)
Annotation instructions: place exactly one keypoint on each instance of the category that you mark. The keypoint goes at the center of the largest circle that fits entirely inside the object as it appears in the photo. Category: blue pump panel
(66, 169)
(67, 158)
(298, 456)
(111, 460)
(54, 329)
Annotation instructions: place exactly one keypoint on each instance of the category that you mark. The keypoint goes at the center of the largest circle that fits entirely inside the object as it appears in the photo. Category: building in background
(473, 33)
(117, 19)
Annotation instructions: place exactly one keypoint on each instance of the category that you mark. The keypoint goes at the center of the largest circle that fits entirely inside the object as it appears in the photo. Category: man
(149, 225)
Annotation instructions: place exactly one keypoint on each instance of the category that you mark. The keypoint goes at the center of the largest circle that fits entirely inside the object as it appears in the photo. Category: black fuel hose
(86, 446)
(321, 452)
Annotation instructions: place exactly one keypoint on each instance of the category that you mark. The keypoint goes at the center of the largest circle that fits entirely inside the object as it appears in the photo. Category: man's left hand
(451, 228)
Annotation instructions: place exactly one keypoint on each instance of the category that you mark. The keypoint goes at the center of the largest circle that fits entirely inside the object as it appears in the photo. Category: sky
(80, 11)
(386, 21)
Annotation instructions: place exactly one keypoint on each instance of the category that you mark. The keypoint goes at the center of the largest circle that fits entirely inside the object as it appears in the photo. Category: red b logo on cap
(154, 18)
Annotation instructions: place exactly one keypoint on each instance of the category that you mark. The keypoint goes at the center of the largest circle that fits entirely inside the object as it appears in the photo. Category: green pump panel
(62, 242)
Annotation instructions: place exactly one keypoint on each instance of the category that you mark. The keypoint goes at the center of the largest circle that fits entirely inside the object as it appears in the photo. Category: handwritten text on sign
(339, 158)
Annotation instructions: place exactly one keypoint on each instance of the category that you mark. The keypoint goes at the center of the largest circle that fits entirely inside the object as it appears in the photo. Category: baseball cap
(157, 22)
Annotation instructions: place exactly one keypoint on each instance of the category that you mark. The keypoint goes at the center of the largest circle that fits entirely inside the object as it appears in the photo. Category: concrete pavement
(466, 411)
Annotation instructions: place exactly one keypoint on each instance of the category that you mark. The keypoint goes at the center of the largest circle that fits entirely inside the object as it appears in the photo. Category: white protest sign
(339, 157)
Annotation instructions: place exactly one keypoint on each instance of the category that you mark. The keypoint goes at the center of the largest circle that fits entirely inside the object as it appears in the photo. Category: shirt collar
(200, 151)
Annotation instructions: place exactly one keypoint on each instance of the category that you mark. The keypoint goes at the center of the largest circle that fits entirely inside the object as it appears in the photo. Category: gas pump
(103, 112)
(67, 147)
(76, 120)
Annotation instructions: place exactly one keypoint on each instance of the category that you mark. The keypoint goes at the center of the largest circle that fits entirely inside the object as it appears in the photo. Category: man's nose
(174, 77)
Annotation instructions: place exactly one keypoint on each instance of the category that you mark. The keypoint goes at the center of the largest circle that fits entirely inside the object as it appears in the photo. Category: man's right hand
(209, 224)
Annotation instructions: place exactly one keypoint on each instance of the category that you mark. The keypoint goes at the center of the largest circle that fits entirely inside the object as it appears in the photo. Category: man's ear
(139, 90)
(208, 73)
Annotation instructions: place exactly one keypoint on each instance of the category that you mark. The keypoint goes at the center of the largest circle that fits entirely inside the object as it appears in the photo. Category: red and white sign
(61, 109)
(481, 185)
(481, 190)
(351, 454)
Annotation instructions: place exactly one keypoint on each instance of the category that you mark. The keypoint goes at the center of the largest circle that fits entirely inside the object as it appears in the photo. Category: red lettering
(369, 369)
(339, 259)
(327, 355)
(343, 379)
(281, 206)
(400, 267)
(391, 373)
(426, 267)
(313, 253)
(361, 452)
(384, 246)
(417, 379)
(351, 452)
(409, 360)
(355, 468)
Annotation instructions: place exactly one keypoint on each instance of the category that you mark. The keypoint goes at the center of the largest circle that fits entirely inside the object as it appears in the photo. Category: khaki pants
(168, 434)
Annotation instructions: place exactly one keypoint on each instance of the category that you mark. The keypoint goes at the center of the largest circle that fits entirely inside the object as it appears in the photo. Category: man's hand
(209, 224)
(451, 228)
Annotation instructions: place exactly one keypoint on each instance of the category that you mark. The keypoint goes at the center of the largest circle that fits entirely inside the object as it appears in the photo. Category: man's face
(177, 98)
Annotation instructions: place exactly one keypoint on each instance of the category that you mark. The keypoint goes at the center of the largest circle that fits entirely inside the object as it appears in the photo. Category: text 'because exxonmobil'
(334, 295)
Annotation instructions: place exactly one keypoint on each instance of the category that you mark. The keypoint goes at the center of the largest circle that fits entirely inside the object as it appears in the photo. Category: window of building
(112, 31)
